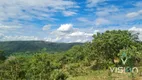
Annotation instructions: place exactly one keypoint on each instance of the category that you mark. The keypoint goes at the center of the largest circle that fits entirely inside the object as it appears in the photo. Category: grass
(106, 75)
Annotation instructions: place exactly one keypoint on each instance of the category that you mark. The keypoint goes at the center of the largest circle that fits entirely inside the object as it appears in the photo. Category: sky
(67, 20)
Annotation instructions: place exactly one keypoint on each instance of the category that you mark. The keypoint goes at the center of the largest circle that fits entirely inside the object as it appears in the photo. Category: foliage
(30, 47)
(77, 61)
(133, 54)
(2, 55)
(109, 44)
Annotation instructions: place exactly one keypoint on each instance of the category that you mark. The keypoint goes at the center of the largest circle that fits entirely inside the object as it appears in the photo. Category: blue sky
(67, 20)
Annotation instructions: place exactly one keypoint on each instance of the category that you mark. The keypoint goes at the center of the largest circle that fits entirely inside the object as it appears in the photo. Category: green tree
(2, 55)
(109, 43)
(133, 56)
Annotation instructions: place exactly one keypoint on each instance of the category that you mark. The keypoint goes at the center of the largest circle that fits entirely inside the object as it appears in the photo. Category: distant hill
(34, 46)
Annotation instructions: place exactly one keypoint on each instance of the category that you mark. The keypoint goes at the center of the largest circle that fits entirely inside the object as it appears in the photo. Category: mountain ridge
(34, 46)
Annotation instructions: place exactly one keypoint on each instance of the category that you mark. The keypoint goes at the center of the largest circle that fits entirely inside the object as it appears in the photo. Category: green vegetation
(90, 61)
(31, 47)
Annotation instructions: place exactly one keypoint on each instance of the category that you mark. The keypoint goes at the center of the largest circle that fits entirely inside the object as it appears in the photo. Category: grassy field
(106, 75)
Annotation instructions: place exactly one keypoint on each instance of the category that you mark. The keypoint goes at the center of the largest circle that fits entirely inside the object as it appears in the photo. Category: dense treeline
(79, 60)
(29, 47)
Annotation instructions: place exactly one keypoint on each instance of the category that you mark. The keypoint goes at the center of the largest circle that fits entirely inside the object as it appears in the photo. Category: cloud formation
(137, 30)
(93, 3)
(17, 38)
(31, 9)
(102, 21)
(44, 19)
(66, 28)
(138, 4)
(69, 13)
(46, 27)
(67, 33)
(134, 14)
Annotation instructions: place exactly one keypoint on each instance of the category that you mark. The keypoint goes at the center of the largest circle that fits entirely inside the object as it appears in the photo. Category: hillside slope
(34, 46)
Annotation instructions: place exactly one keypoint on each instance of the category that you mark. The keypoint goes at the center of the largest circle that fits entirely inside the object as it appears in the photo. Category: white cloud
(96, 31)
(135, 29)
(53, 39)
(102, 13)
(46, 27)
(69, 13)
(79, 33)
(5, 27)
(138, 4)
(1, 36)
(106, 11)
(101, 21)
(134, 14)
(31, 9)
(9, 28)
(12, 32)
(67, 33)
(83, 19)
(24, 12)
(16, 38)
(140, 11)
(13, 38)
(93, 3)
(138, 30)
(97, 21)
(66, 28)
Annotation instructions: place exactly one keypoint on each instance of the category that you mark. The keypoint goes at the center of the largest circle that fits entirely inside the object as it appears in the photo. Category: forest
(29, 47)
(87, 61)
